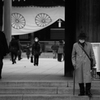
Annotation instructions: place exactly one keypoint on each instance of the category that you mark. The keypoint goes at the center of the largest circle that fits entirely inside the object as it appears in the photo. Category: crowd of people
(15, 50)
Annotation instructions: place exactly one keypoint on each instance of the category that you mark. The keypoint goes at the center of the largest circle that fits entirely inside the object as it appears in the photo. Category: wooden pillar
(70, 36)
(1, 13)
(7, 19)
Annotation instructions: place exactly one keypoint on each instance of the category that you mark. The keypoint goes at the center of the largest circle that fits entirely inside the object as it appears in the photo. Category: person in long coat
(81, 64)
(4, 50)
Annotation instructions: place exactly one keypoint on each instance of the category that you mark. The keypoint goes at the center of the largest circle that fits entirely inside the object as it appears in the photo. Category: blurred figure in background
(4, 50)
(14, 48)
(60, 50)
(36, 50)
(28, 50)
(19, 51)
(54, 48)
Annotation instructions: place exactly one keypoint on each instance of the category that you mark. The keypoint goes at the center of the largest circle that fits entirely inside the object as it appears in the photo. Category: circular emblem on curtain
(18, 21)
(42, 19)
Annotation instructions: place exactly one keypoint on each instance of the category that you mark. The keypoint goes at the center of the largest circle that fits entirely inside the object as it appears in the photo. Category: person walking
(82, 64)
(14, 48)
(4, 50)
(36, 50)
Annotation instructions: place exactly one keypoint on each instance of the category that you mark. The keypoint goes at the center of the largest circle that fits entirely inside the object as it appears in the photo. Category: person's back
(14, 48)
(3, 45)
(14, 43)
(4, 50)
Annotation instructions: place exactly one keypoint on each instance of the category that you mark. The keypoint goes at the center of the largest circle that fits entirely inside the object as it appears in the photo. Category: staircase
(44, 90)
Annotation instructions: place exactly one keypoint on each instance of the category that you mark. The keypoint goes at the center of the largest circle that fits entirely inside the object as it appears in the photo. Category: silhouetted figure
(4, 50)
(14, 48)
(19, 51)
(54, 48)
(28, 51)
(60, 50)
(36, 51)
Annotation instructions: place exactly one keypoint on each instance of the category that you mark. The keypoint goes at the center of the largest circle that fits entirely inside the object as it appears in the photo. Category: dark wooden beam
(1, 12)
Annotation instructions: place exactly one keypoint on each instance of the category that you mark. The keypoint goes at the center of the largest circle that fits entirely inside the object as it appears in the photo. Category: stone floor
(48, 69)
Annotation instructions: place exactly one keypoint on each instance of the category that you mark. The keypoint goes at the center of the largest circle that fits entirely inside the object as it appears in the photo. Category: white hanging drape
(30, 19)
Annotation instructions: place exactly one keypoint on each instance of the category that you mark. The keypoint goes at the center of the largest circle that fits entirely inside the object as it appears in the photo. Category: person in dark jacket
(4, 50)
(36, 51)
(19, 51)
(14, 48)
(28, 51)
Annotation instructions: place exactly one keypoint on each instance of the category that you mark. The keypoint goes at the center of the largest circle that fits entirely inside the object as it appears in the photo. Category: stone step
(43, 84)
(43, 90)
(32, 84)
(47, 97)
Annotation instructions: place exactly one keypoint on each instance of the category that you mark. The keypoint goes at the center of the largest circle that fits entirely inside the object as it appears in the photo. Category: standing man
(4, 50)
(81, 63)
(36, 50)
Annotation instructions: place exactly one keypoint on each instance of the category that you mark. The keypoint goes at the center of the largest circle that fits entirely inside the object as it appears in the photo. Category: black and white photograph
(41, 57)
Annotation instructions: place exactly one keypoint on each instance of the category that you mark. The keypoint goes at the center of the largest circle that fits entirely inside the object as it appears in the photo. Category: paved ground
(48, 69)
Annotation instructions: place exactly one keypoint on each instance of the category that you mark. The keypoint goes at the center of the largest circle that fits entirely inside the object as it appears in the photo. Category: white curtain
(30, 19)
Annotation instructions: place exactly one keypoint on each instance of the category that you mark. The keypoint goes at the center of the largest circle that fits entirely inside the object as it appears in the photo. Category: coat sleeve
(74, 56)
(92, 55)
